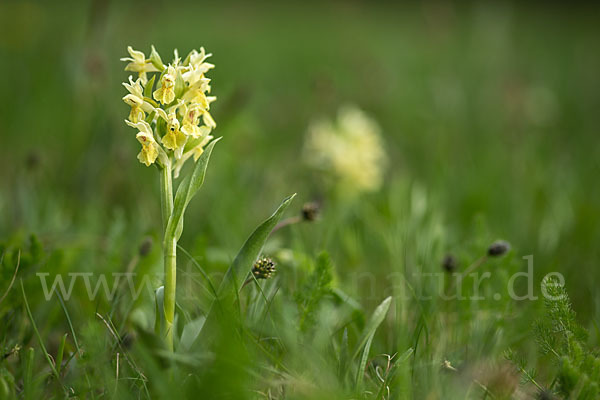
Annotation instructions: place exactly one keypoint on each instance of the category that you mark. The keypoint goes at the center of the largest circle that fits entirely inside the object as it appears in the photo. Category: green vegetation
(487, 114)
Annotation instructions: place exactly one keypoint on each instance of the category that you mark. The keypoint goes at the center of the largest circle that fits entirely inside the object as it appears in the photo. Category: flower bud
(156, 60)
(310, 211)
(498, 248)
(449, 263)
(146, 247)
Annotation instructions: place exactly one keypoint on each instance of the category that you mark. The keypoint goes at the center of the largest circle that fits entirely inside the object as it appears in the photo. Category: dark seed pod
(310, 211)
(498, 248)
(263, 268)
(127, 340)
(33, 160)
(146, 247)
(449, 263)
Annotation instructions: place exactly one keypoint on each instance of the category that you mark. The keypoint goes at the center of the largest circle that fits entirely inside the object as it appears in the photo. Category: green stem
(166, 194)
(170, 254)
(170, 282)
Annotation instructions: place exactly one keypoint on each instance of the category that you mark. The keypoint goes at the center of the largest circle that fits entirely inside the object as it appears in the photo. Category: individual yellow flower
(166, 92)
(135, 99)
(150, 149)
(196, 93)
(139, 64)
(174, 139)
(196, 67)
(191, 118)
(350, 150)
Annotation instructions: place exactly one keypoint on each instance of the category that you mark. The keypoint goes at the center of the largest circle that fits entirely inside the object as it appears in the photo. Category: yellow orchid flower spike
(166, 92)
(173, 129)
(139, 64)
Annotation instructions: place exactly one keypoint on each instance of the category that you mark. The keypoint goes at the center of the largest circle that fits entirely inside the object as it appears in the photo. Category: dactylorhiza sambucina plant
(349, 151)
(170, 111)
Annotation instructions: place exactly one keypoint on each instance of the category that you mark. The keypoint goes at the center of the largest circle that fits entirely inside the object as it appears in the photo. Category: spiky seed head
(498, 248)
(310, 211)
(263, 268)
(449, 263)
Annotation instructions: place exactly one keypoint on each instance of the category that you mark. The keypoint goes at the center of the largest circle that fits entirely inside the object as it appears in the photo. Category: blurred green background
(492, 108)
(489, 113)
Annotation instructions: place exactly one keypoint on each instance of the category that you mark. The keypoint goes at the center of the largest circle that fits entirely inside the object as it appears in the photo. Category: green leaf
(360, 373)
(376, 320)
(186, 191)
(60, 353)
(239, 269)
(179, 85)
(365, 343)
(149, 87)
(190, 332)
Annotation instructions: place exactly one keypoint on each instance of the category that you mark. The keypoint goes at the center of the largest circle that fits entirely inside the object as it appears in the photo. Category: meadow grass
(488, 114)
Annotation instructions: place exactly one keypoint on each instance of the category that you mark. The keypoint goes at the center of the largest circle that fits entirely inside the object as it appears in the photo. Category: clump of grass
(559, 335)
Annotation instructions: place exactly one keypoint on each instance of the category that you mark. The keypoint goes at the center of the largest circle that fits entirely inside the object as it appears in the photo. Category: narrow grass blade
(75, 341)
(391, 372)
(37, 334)
(61, 350)
(12, 281)
(360, 373)
(28, 384)
(343, 358)
(200, 269)
(376, 320)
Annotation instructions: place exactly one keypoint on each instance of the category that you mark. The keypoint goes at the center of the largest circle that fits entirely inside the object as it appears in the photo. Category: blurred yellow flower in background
(349, 150)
